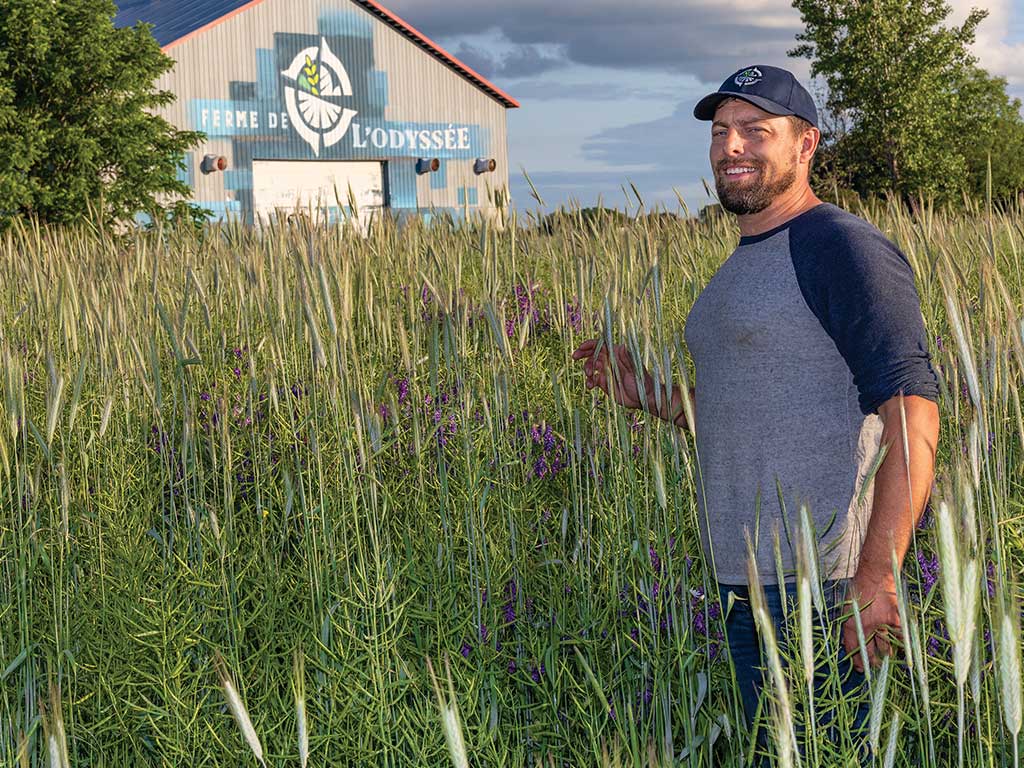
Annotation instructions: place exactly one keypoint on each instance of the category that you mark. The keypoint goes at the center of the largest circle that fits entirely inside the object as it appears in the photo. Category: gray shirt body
(796, 340)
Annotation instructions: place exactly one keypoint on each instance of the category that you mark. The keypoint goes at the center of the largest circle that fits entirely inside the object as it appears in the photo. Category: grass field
(281, 471)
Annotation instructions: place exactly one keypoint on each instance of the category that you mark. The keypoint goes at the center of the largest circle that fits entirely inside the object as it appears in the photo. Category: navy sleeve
(861, 288)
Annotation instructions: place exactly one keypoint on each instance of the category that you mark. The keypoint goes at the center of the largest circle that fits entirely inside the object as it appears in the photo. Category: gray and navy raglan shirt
(797, 339)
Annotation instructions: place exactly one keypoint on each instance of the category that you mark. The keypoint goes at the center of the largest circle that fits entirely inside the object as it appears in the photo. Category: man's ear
(809, 144)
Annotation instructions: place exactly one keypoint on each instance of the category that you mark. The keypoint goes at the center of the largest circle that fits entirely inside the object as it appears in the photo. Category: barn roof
(174, 21)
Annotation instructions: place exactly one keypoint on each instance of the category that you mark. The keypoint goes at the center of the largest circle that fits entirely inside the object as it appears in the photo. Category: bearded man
(806, 343)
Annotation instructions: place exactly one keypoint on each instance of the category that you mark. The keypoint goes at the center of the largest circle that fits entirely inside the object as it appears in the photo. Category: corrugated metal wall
(229, 83)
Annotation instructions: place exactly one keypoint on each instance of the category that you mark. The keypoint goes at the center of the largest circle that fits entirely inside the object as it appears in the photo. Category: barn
(315, 103)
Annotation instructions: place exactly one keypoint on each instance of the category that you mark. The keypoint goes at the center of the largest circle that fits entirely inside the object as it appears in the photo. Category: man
(803, 343)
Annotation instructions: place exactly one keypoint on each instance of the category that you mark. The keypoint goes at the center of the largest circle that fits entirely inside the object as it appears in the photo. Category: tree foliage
(77, 131)
(907, 108)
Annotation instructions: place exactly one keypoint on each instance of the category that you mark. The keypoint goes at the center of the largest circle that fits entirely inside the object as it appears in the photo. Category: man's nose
(733, 143)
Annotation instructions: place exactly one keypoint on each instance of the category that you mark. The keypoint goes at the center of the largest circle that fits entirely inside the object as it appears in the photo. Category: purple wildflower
(929, 571)
(699, 625)
(655, 560)
(465, 649)
(573, 316)
(540, 467)
(926, 517)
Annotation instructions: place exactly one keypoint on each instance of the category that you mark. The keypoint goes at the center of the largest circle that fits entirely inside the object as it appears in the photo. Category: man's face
(754, 155)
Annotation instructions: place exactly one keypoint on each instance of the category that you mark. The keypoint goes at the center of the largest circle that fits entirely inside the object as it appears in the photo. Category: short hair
(798, 124)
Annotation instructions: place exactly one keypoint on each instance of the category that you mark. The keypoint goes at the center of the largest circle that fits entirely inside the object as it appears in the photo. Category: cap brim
(705, 109)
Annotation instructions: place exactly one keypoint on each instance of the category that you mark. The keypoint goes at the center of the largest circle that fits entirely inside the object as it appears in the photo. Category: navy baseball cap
(772, 89)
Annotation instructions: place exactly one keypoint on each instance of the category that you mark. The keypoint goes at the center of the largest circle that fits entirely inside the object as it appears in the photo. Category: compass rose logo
(748, 76)
(313, 101)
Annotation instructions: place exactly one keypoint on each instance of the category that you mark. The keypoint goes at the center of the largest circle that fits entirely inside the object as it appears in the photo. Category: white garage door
(284, 185)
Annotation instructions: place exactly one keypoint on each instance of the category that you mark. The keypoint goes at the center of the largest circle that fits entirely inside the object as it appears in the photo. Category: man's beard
(753, 198)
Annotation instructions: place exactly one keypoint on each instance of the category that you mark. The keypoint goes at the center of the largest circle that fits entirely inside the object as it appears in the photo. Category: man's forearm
(672, 411)
(895, 510)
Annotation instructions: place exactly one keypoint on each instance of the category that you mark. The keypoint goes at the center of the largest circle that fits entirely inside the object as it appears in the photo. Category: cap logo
(748, 76)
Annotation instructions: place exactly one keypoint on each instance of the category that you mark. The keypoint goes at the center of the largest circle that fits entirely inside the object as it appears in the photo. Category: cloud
(520, 61)
(549, 89)
(706, 38)
(994, 50)
(677, 143)
(662, 157)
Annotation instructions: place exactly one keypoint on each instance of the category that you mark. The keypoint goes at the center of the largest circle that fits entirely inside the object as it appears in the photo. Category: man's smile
(738, 172)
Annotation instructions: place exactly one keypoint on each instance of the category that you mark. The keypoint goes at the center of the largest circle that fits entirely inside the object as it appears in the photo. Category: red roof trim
(402, 26)
(213, 23)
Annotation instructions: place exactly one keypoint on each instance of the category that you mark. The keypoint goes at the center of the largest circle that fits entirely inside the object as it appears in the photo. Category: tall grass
(230, 445)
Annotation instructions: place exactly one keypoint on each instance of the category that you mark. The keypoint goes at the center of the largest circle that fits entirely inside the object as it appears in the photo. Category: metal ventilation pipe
(213, 163)
(427, 165)
(484, 165)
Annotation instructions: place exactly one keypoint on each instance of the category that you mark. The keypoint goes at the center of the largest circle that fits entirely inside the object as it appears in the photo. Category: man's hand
(879, 617)
(624, 389)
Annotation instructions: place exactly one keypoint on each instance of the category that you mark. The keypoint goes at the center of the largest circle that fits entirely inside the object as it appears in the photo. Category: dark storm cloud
(705, 39)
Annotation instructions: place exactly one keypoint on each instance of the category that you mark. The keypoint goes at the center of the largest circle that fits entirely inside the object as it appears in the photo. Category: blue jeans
(745, 650)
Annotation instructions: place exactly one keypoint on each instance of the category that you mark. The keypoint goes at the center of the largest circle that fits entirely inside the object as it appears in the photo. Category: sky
(607, 87)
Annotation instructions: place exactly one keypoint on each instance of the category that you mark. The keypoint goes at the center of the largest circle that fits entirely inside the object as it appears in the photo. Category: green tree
(77, 128)
(990, 126)
(907, 108)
